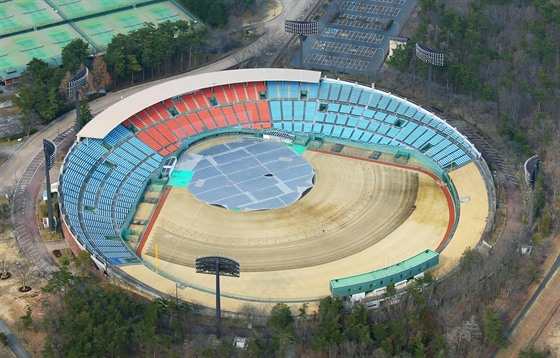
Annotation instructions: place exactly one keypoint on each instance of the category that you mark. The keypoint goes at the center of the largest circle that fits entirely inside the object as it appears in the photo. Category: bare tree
(98, 76)
(5, 265)
(24, 272)
(463, 338)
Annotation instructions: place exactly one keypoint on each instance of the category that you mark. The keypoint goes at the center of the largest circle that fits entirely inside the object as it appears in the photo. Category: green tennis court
(73, 9)
(26, 14)
(68, 20)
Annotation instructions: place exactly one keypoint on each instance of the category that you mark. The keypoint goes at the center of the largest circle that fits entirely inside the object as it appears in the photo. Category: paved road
(24, 213)
(14, 343)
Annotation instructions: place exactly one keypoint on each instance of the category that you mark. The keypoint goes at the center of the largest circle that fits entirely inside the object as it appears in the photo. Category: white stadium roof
(105, 121)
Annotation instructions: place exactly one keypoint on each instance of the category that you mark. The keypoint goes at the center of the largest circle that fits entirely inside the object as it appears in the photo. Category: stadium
(316, 186)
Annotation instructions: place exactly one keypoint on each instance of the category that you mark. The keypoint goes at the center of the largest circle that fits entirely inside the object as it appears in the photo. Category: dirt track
(364, 208)
(353, 205)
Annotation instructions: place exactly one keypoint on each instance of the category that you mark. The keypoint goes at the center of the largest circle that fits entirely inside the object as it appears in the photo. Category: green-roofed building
(373, 280)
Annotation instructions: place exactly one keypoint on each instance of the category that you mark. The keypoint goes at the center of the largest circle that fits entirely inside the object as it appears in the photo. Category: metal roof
(105, 121)
(381, 273)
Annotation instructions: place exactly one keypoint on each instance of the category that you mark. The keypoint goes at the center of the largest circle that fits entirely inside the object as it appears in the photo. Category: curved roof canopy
(105, 121)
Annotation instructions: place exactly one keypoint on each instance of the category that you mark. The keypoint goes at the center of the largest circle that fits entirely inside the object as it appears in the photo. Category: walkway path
(14, 343)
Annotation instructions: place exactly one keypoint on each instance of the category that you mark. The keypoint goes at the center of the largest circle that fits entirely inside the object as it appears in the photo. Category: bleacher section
(99, 187)
(102, 180)
(361, 114)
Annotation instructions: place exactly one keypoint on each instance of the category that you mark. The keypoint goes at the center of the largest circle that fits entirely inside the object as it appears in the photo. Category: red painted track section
(153, 219)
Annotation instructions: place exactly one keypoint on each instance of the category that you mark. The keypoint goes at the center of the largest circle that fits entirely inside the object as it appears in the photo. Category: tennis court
(100, 30)
(26, 20)
(28, 14)
(72, 9)
(46, 45)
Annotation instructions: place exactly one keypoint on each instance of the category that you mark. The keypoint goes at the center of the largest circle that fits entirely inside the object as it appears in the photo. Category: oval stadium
(315, 186)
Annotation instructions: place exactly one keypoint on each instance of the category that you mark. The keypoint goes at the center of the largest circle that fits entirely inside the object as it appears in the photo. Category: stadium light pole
(431, 57)
(75, 84)
(177, 287)
(217, 265)
(49, 148)
(302, 29)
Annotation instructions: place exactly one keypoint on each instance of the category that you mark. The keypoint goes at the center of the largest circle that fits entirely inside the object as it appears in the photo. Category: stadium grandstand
(123, 149)
(41, 28)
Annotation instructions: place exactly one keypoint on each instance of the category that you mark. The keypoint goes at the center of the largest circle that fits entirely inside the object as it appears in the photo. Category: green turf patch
(298, 148)
(26, 43)
(106, 37)
(96, 27)
(28, 6)
(40, 17)
(61, 38)
(39, 53)
(75, 9)
(107, 2)
(5, 62)
(7, 21)
(129, 20)
(181, 178)
(163, 13)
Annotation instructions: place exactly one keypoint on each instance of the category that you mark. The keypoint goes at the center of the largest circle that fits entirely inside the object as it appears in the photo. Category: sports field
(40, 29)
(358, 217)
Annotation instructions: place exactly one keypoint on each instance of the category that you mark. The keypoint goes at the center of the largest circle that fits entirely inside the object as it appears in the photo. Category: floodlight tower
(49, 148)
(75, 84)
(302, 29)
(217, 265)
(431, 57)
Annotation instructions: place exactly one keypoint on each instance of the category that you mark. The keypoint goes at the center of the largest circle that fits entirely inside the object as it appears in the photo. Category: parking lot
(338, 62)
(371, 8)
(354, 35)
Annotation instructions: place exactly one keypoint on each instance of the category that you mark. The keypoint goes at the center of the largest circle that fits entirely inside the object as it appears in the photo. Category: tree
(39, 98)
(4, 340)
(59, 283)
(492, 327)
(329, 330)
(26, 320)
(74, 55)
(83, 261)
(280, 317)
(85, 112)
(99, 76)
(24, 272)
(5, 265)
(356, 326)
(402, 54)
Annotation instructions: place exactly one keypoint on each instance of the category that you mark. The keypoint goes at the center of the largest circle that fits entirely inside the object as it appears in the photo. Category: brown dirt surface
(337, 177)
(345, 198)
(13, 303)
